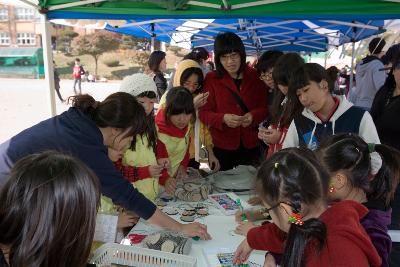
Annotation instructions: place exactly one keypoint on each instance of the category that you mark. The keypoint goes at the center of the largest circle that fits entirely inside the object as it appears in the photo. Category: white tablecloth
(220, 228)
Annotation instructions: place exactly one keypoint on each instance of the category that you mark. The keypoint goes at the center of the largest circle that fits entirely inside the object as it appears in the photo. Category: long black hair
(225, 43)
(119, 110)
(179, 100)
(48, 211)
(351, 154)
(155, 59)
(150, 129)
(295, 177)
(283, 69)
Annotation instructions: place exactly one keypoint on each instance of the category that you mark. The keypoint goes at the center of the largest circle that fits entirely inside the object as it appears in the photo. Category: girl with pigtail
(293, 185)
(352, 177)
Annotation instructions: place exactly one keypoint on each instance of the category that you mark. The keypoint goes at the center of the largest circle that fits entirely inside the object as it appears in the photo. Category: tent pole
(352, 65)
(48, 63)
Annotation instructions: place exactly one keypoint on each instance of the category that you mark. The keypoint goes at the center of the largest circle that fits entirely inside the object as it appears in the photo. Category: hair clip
(358, 150)
(276, 165)
(371, 147)
(296, 219)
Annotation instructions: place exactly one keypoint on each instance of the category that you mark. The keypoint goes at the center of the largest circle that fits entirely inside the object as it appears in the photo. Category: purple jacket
(376, 224)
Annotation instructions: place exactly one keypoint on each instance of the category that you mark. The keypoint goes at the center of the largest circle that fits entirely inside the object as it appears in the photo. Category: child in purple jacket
(355, 177)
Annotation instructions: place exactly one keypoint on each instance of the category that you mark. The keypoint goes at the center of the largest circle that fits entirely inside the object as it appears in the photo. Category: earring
(296, 219)
(332, 189)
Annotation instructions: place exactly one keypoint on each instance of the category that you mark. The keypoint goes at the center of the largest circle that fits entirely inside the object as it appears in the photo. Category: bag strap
(239, 100)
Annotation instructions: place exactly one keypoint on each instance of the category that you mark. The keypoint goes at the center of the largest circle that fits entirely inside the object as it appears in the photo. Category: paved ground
(25, 102)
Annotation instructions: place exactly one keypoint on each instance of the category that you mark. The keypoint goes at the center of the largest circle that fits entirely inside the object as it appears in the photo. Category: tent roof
(281, 9)
(257, 34)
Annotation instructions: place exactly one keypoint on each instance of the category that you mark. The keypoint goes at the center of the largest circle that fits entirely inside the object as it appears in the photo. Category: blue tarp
(260, 34)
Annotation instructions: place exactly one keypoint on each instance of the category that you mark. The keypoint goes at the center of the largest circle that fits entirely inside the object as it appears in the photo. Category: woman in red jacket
(237, 103)
(293, 186)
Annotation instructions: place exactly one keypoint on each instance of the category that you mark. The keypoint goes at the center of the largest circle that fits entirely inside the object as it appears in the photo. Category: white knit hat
(138, 83)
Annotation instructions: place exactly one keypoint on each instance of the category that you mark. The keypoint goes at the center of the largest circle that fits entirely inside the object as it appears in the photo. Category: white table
(220, 228)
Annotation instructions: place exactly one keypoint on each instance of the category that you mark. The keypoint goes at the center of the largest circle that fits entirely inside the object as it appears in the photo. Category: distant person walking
(57, 82)
(77, 72)
(369, 75)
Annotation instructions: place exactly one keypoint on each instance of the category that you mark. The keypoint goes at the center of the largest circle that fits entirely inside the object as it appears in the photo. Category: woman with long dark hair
(158, 65)
(86, 131)
(236, 104)
(40, 222)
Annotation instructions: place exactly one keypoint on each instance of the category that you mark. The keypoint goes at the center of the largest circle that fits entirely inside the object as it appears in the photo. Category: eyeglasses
(266, 75)
(265, 211)
(191, 85)
(232, 56)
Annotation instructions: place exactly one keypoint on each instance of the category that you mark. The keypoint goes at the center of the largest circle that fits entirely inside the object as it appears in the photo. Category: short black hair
(267, 60)
(376, 45)
(304, 75)
(179, 100)
(197, 54)
(225, 43)
(155, 59)
(391, 54)
(188, 72)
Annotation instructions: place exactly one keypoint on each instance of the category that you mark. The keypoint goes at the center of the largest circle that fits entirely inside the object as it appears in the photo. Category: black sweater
(74, 133)
(385, 111)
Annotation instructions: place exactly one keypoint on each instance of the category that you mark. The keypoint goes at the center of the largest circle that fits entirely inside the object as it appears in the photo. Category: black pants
(228, 159)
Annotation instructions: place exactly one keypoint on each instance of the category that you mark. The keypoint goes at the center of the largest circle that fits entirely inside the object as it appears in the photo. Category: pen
(243, 217)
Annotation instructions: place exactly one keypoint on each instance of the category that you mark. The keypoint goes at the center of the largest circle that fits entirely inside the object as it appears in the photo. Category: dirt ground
(25, 102)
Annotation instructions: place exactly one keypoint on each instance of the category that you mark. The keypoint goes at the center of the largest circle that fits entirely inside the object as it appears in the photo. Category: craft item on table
(243, 217)
(166, 198)
(225, 202)
(190, 208)
(170, 210)
(188, 213)
(193, 191)
(223, 257)
(136, 238)
(202, 212)
(187, 218)
(236, 180)
(161, 203)
(168, 242)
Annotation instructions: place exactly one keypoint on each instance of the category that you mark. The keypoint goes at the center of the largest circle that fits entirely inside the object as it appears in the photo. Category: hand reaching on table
(242, 253)
(244, 227)
(196, 229)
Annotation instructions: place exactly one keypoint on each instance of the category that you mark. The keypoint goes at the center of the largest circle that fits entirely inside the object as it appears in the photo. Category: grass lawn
(126, 65)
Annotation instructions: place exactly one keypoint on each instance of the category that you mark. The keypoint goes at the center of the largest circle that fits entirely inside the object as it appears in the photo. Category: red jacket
(220, 101)
(347, 242)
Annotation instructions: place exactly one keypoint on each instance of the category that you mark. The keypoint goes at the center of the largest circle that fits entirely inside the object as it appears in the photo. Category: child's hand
(165, 162)
(239, 213)
(269, 261)
(114, 155)
(170, 186)
(200, 100)
(155, 170)
(272, 136)
(196, 229)
(244, 227)
(254, 201)
(213, 162)
(247, 119)
(126, 220)
(242, 253)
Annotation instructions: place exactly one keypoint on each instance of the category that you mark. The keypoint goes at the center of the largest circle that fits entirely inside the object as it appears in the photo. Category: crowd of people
(327, 184)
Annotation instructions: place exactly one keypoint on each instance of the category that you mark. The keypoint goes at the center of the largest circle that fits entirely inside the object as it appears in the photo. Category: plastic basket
(110, 253)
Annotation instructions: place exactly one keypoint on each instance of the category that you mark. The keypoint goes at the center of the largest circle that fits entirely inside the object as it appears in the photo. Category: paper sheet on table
(106, 228)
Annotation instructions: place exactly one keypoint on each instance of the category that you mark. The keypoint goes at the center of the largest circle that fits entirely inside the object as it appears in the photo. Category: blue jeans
(77, 81)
